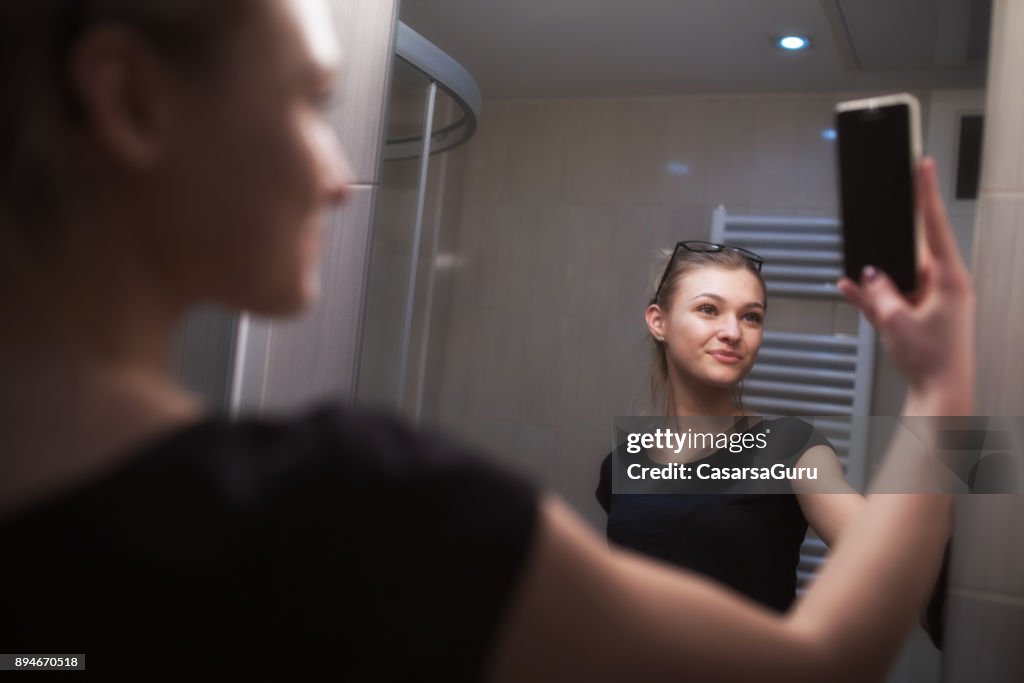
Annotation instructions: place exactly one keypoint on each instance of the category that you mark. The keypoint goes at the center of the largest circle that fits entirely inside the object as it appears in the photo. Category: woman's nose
(335, 171)
(730, 329)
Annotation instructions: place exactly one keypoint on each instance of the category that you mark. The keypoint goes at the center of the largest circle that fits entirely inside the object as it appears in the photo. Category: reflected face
(714, 328)
(258, 163)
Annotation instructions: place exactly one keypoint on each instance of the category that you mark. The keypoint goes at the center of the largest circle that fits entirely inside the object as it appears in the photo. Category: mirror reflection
(512, 301)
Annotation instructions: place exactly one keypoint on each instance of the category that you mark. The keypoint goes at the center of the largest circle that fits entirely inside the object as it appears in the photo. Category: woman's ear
(124, 92)
(656, 322)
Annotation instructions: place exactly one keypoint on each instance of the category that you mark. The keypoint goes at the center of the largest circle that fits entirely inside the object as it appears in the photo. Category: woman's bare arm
(829, 502)
(587, 612)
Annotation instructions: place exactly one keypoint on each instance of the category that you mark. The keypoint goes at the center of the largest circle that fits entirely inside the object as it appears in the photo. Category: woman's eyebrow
(718, 297)
(709, 295)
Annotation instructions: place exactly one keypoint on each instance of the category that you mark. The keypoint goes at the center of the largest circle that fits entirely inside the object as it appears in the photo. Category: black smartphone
(879, 150)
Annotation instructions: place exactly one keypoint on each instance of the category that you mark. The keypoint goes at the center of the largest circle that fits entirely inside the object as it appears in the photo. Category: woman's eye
(754, 317)
(707, 308)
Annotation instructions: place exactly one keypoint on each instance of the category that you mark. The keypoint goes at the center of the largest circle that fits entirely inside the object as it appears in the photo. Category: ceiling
(615, 48)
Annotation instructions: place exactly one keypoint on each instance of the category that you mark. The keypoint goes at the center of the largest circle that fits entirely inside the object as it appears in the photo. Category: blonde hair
(684, 263)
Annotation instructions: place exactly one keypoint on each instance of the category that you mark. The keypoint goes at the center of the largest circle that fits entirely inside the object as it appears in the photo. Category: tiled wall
(986, 612)
(565, 204)
(290, 363)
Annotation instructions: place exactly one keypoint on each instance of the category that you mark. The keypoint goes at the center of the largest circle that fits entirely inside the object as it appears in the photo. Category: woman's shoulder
(790, 436)
(355, 447)
(329, 452)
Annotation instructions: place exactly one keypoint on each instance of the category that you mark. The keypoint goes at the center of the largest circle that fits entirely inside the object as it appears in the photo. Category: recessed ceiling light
(793, 42)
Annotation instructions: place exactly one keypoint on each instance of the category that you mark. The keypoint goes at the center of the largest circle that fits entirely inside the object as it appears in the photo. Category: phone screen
(877, 192)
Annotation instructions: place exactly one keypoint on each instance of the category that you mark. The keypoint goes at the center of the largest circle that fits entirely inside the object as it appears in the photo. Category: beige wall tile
(665, 151)
(595, 147)
(778, 151)
(594, 378)
(730, 129)
(366, 32)
(534, 167)
(999, 279)
(574, 469)
(983, 639)
(989, 542)
(550, 345)
(1003, 160)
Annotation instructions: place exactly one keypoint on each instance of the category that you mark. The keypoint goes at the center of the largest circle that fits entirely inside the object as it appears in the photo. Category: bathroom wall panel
(594, 149)
(983, 639)
(365, 30)
(990, 544)
(999, 280)
(1003, 171)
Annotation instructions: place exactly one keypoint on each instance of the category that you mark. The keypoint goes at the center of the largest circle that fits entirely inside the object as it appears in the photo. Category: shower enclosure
(433, 107)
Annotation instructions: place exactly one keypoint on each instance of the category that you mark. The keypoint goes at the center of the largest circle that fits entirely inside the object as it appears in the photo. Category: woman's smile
(723, 356)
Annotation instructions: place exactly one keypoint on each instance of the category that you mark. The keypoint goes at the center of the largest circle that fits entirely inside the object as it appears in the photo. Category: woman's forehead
(316, 30)
(728, 283)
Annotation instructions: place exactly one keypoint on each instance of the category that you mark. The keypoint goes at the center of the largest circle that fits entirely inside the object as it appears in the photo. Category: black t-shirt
(750, 542)
(338, 542)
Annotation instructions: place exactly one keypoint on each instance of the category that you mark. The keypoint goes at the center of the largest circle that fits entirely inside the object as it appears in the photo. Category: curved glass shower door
(433, 105)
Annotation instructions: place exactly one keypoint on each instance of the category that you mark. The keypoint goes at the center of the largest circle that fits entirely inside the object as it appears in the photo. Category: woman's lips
(725, 356)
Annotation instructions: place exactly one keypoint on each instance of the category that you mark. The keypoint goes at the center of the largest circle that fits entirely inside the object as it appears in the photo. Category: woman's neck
(86, 357)
(90, 302)
(690, 398)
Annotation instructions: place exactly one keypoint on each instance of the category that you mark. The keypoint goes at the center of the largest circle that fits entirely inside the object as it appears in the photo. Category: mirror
(610, 131)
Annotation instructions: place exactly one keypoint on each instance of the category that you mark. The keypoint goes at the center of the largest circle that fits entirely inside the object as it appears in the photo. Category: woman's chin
(280, 301)
(723, 379)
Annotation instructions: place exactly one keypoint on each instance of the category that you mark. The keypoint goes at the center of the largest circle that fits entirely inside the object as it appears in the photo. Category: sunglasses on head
(700, 247)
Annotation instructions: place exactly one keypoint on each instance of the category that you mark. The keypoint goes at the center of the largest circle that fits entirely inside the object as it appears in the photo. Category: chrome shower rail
(451, 77)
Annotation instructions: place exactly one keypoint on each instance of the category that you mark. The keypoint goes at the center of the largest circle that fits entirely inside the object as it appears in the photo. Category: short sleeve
(395, 551)
(791, 437)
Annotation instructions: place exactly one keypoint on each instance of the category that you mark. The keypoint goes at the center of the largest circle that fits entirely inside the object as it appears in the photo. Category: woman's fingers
(876, 296)
(851, 291)
(881, 301)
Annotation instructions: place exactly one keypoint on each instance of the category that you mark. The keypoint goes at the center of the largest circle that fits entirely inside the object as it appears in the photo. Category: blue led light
(793, 42)
(828, 134)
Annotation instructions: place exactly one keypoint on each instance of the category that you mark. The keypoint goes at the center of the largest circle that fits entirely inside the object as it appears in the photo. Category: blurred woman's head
(706, 320)
(183, 140)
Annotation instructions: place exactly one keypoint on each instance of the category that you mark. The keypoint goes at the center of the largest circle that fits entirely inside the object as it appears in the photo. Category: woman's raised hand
(930, 334)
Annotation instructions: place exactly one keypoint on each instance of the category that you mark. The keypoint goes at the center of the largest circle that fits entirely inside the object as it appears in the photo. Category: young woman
(159, 154)
(706, 321)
